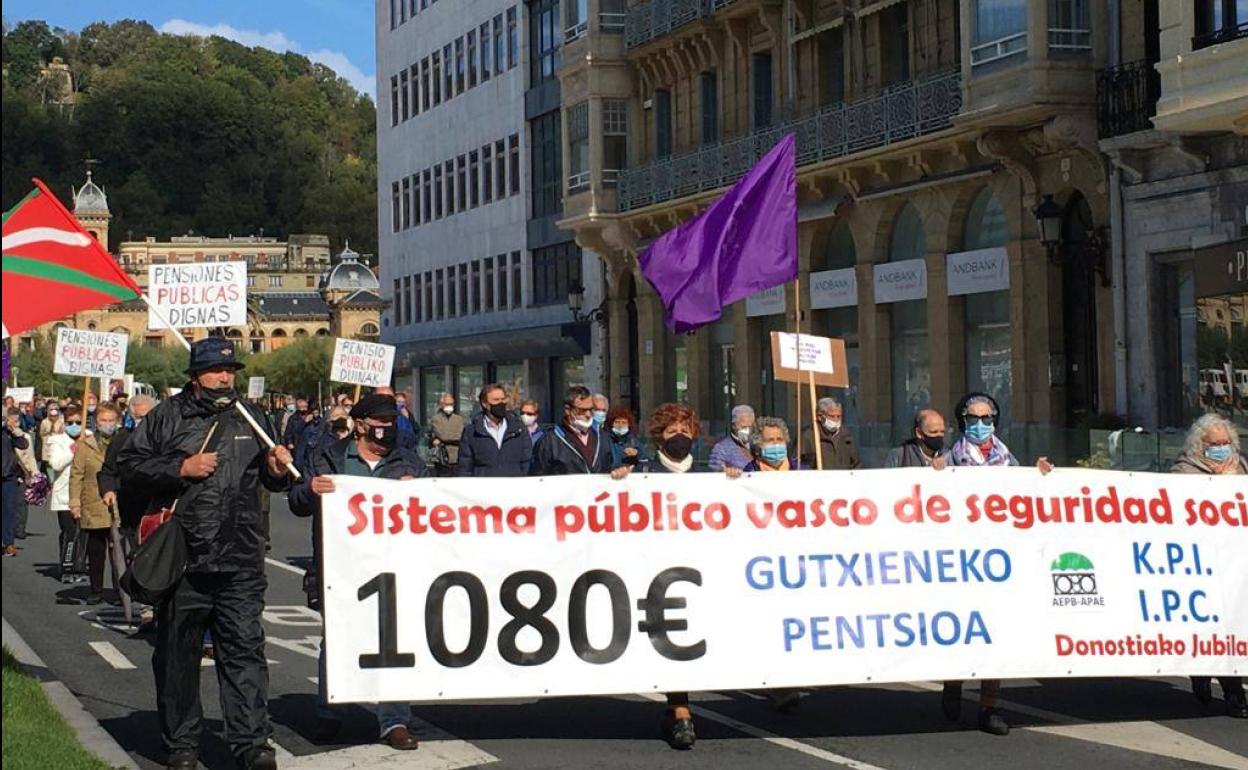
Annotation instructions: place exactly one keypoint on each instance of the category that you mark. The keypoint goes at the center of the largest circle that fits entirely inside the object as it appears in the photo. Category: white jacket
(59, 451)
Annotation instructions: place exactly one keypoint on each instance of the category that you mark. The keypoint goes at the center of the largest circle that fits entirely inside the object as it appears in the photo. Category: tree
(295, 368)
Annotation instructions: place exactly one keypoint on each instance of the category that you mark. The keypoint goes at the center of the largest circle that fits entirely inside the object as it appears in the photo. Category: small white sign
(362, 363)
(85, 353)
(900, 281)
(766, 302)
(255, 387)
(200, 295)
(814, 353)
(21, 395)
(978, 271)
(834, 288)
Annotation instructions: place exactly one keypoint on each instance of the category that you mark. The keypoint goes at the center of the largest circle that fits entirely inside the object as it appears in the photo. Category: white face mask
(448, 410)
(529, 420)
(583, 423)
(831, 425)
(743, 435)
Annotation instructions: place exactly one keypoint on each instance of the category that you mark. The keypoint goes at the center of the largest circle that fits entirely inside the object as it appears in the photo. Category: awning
(1221, 269)
(561, 341)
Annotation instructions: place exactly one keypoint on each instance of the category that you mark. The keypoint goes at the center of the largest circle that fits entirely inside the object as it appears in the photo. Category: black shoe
(326, 729)
(1236, 705)
(95, 599)
(262, 758)
(678, 733)
(951, 701)
(183, 759)
(1202, 688)
(991, 722)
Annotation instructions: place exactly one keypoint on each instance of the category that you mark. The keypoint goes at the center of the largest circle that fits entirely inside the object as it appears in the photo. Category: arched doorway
(987, 314)
(831, 266)
(1079, 313)
(911, 358)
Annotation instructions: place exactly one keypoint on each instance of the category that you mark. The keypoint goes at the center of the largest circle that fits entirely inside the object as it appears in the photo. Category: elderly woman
(87, 505)
(625, 443)
(769, 444)
(58, 453)
(979, 445)
(1213, 448)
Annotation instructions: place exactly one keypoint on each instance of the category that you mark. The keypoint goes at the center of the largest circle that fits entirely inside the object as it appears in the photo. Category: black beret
(376, 405)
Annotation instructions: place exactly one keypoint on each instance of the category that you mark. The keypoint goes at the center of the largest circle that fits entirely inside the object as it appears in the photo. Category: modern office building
(477, 275)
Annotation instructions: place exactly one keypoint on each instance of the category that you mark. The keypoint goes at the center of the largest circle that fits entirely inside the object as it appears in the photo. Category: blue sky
(338, 33)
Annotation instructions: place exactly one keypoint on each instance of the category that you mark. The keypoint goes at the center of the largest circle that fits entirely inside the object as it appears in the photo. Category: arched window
(838, 252)
(988, 343)
(368, 331)
(833, 320)
(301, 332)
(120, 330)
(278, 333)
(911, 364)
(233, 334)
(91, 326)
(322, 332)
(985, 222)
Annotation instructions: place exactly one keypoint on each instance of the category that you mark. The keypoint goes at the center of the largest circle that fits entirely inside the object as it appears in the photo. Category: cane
(118, 560)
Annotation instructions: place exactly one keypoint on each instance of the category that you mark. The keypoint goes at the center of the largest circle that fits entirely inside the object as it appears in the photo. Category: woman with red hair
(625, 442)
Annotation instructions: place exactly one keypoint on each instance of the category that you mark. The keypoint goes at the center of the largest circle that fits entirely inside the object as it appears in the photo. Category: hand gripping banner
(472, 588)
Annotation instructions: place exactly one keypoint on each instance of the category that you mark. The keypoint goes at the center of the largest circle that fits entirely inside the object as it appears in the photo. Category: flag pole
(797, 386)
(255, 426)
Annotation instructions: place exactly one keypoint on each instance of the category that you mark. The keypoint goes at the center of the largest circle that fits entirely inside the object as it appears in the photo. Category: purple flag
(744, 243)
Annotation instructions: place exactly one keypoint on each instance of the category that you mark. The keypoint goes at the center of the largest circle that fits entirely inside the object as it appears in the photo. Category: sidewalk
(93, 737)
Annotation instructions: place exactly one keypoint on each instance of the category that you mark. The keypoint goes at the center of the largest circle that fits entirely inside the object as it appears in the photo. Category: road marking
(309, 646)
(434, 754)
(112, 655)
(285, 566)
(315, 680)
(770, 737)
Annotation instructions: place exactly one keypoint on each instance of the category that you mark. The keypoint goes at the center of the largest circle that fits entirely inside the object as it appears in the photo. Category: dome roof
(350, 274)
(90, 199)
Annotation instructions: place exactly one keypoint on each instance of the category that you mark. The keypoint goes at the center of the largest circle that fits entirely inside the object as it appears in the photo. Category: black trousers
(97, 557)
(229, 605)
(68, 541)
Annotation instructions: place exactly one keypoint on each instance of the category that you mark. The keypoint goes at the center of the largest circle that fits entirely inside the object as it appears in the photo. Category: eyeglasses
(74, 422)
(580, 412)
(986, 419)
(529, 414)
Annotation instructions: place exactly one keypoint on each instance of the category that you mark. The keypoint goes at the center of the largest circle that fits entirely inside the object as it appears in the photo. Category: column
(654, 379)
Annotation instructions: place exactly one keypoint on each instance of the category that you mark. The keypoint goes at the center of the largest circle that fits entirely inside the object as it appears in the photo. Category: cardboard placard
(255, 387)
(824, 356)
(207, 294)
(86, 353)
(21, 395)
(361, 363)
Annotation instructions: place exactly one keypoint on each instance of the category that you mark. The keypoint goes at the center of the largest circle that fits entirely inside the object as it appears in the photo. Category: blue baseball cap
(212, 353)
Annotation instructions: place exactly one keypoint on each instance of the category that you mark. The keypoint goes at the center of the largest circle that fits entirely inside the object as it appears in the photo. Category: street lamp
(576, 302)
(1049, 222)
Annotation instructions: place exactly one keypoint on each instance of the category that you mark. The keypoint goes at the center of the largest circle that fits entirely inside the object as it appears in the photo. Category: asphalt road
(1106, 724)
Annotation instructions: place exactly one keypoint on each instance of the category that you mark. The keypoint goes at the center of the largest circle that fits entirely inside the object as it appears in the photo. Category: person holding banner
(625, 443)
(926, 448)
(840, 453)
(87, 505)
(223, 586)
(372, 450)
(733, 450)
(495, 443)
(769, 444)
(575, 445)
(1212, 448)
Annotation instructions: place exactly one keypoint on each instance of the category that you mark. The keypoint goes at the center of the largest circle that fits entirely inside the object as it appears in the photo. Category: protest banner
(85, 353)
(21, 395)
(197, 295)
(255, 387)
(361, 363)
(453, 589)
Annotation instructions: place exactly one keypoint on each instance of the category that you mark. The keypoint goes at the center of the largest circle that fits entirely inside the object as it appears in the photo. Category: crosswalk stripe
(111, 655)
(285, 566)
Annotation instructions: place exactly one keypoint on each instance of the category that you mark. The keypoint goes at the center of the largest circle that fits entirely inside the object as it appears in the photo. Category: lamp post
(1049, 223)
(576, 302)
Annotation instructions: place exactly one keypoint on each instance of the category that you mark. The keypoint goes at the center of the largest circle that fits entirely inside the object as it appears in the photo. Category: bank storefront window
(432, 386)
(903, 282)
(981, 274)
(834, 300)
(468, 383)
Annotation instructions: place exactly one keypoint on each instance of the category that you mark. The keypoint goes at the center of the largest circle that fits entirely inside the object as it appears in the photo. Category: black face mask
(219, 398)
(678, 447)
(498, 411)
(385, 436)
(338, 426)
(933, 443)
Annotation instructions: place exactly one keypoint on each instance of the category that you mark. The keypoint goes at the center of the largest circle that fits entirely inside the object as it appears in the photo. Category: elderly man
(840, 453)
(447, 428)
(733, 451)
(602, 405)
(495, 443)
(925, 448)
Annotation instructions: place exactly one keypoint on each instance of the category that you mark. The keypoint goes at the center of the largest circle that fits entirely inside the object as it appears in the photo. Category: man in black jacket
(575, 445)
(217, 488)
(371, 449)
(495, 441)
(131, 501)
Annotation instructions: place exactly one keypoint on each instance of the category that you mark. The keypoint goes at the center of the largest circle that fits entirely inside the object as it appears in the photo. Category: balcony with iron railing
(1126, 98)
(1224, 34)
(653, 19)
(901, 112)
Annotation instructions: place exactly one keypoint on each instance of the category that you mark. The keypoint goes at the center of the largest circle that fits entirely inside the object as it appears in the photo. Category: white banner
(766, 302)
(978, 271)
(84, 353)
(530, 587)
(198, 295)
(816, 353)
(834, 288)
(255, 387)
(361, 363)
(21, 395)
(900, 281)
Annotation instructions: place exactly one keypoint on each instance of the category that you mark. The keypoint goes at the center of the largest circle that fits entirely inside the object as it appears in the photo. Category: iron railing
(900, 112)
(656, 18)
(1001, 48)
(1224, 35)
(1126, 98)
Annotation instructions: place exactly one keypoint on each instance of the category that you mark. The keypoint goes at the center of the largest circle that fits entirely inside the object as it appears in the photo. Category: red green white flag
(53, 267)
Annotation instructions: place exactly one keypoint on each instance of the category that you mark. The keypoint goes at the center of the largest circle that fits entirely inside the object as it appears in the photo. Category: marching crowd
(103, 466)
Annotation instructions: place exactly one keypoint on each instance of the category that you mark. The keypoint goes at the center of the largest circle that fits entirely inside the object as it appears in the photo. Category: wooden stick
(86, 393)
(814, 419)
(797, 386)
(356, 400)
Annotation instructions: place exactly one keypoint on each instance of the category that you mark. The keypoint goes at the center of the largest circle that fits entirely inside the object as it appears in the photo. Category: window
(500, 169)
(517, 280)
(555, 270)
(417, 294)
(407, 203)
(476, 286)
(453, 293)
(487, 177)
(464, 307)
(544, 38)
(832, 66)
(514, 144)
(502, 281)
(614, 139)
(403, 94)
(578, 19)
(472, 59)
(310, 282)
(459, 66)
(1069, 29)
(402, 11)
(663, 123)
(429, 301)
(394, 100)
(762, 97)
(911, 363)
(474, 180)
(448, 73)
(405, 298)
(415, 80)
(448, 171)
(500, 51)
(988, 344)
(426, 198)
(438, 298)
(416, 220)
(894, 24)
(708, 90)
(398, 301)
(251, 281)
(437, 79)
(513, 38)
(998, 30)
(484, 36)
(275, 282)
(395, 215)
(547, 163)
(489, 285)
(437, 192)
(393, 15)
(424, 83)
(578, 148)
(461, 183)
(839, 253)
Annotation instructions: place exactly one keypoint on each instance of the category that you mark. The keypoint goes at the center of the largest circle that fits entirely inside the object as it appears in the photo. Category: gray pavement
(1106, 724)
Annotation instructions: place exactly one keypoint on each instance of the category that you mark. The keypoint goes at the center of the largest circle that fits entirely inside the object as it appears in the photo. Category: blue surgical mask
(979, 432)
(1219, 454)
(290, 408)
(73, 431)
(621, 432)
(600, 417)
(774, 454)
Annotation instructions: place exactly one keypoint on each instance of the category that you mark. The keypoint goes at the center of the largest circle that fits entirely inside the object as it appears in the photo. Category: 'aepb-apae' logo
(1074, 581)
